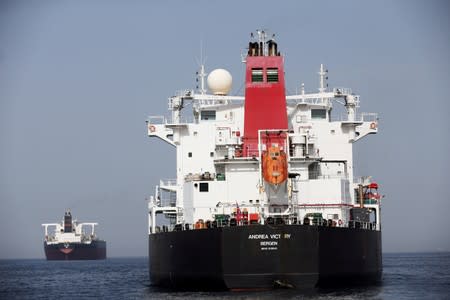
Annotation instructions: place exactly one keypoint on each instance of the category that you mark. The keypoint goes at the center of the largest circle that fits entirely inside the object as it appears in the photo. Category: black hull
(75, 251)
(264, 256)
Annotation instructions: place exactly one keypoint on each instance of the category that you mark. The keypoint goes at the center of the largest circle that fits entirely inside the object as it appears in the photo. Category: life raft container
(274, 165)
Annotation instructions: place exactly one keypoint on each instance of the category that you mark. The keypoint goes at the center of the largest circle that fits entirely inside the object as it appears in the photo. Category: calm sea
(406, 276)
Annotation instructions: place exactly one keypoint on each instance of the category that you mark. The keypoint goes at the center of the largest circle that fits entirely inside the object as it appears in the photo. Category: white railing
(362, 117)
(167, 182)
(183, 120)
(342, 91)
(156, 120)
(327, 176)
(368, 117)
(294, 155)
(315, 99)
(159, 120)
(232, 222)
(364, 180)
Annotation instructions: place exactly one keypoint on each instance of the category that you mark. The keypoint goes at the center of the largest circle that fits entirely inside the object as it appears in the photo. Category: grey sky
(79, 78)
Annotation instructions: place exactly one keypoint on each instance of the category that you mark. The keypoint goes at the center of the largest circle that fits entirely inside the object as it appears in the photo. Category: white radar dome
(219, 81)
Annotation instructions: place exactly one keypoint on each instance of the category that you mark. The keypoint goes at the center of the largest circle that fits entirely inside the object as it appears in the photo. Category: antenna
(323, 79)
(201, 73)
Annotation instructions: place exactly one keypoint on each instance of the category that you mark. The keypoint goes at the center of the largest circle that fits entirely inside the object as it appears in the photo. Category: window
(257, 75)
(208, 115)
(318, 113)
(204, 186)
(272, 74)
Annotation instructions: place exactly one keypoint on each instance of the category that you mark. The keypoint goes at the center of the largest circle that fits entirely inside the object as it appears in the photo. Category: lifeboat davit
(274, 165)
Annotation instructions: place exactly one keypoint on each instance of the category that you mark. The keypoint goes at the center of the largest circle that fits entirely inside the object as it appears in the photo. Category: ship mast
(201, 74)
(323, 79)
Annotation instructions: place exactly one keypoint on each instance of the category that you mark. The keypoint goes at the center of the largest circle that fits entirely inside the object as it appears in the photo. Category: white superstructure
(69, 231)
(213, 178)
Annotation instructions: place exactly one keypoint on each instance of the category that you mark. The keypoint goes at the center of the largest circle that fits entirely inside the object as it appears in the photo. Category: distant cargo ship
(70, 241)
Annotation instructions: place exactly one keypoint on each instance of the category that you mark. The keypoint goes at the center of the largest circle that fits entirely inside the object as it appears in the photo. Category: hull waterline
(75, 251)
(264, 257)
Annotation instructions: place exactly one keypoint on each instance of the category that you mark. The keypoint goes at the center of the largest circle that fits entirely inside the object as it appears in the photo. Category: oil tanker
(70, 240)
(265, 194)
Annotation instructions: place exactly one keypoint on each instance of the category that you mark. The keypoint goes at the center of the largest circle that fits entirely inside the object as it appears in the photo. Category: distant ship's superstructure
(268, 172)
(69, 240)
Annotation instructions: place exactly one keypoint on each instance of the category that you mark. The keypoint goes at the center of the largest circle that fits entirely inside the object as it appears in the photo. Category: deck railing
(352, 224)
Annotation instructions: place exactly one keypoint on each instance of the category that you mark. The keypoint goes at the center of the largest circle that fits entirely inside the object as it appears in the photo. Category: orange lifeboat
(274, 165)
